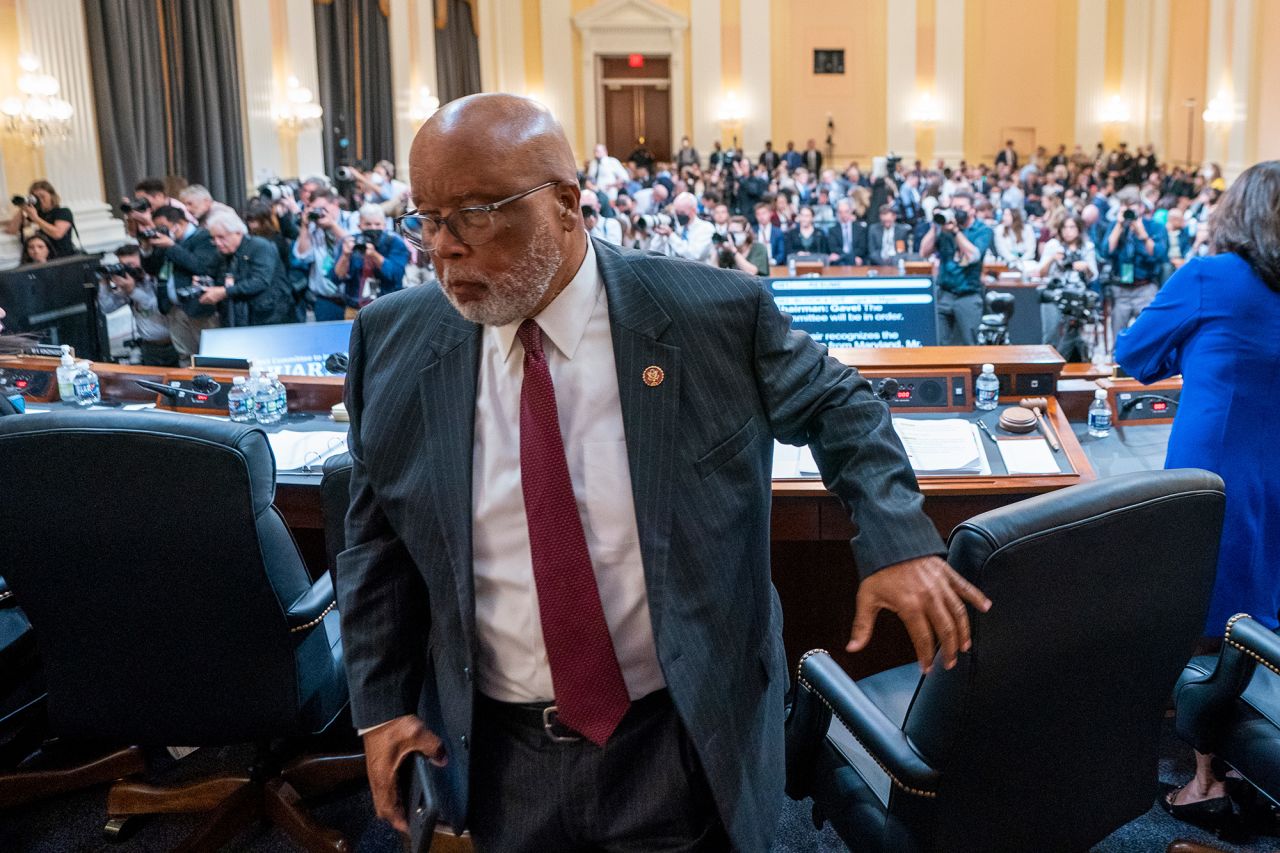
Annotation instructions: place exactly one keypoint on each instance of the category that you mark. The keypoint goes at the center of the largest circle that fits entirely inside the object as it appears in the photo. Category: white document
(295, 448)
(793, 463)
(949, 446)
(1028, 456)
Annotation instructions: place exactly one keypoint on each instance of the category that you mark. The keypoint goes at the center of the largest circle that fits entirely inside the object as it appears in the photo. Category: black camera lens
(1129, 216)
(18, 201)
(588, 211)
(315, 215)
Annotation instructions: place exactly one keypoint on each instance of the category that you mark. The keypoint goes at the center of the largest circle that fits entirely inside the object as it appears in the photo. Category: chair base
(234, 801)
(25, 786)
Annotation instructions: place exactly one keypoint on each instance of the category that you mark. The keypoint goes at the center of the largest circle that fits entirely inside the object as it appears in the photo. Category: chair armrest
(1202, 703)
(6, 595)
(312, 606)
(823, 690)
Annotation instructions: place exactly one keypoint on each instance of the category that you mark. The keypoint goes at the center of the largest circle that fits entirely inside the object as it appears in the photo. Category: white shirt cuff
(363, 732)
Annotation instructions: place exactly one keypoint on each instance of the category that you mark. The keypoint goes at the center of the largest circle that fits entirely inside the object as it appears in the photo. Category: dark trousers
(958, 318)
(644, 791)
(158, 354)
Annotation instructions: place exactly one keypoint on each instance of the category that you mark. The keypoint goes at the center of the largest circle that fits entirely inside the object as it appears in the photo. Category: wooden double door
(637, 107)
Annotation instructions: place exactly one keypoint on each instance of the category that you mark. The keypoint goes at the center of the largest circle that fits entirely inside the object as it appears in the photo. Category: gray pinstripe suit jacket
(700, 447)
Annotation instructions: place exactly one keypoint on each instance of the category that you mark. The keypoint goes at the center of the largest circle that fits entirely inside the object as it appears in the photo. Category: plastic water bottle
(265, 409)
(240, 401)
(902, 265)
(1099, 415)
(282, 395)
(67, 371)
(85, 386)
(986, 389)
(791, 266)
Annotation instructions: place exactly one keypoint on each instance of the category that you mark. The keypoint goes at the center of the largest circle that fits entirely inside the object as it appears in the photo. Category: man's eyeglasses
(474, 226)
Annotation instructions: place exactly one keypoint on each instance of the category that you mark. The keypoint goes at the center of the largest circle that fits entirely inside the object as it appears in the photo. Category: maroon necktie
(591, 696)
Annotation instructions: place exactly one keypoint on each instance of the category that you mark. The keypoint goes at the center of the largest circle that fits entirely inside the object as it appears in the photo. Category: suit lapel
(650, 409)
(447, 391)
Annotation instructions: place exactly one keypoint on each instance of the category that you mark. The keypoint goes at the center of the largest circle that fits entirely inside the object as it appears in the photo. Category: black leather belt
(544, 716)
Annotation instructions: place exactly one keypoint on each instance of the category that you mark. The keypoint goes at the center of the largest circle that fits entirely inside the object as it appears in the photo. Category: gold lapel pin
(653, 376)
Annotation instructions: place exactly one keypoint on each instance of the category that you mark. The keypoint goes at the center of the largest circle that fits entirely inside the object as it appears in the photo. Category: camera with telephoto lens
(138, 205)
(346, 175)
(149, 233)
(648, 223)
(104, 272)
(199, 284)
(1129, 215)
(276, 190)
(1079, 308)
(945, 215)
(361, 244)
(20, 200)
(315, 215)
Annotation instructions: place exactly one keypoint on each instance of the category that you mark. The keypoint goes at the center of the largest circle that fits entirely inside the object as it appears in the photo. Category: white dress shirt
(692, 241)
(764, 236)
(609, 174)
(607, 229)
(888, 246)
(513, 663)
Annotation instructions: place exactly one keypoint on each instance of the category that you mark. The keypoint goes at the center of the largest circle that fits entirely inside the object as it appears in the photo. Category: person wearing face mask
(372, 262)
(688, 237)
(738, 250)
(603, 227)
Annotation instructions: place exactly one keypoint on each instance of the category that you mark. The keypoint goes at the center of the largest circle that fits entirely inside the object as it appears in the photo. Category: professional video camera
(1079, 308)
(891, 162)
(138, 205)
(993, 328)
(945, 215)
(20, 200)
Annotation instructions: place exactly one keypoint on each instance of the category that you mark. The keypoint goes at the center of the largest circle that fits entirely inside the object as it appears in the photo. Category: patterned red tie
(591, 696)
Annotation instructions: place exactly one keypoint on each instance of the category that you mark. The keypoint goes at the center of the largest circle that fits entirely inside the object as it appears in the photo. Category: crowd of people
(1120, 220)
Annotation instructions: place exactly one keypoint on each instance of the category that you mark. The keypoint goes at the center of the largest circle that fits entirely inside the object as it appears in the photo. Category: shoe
(1216, 815)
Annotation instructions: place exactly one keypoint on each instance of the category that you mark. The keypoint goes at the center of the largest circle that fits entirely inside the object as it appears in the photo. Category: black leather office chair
(335, 499)
(1099, 593)
(171, 607)
(1230, 705)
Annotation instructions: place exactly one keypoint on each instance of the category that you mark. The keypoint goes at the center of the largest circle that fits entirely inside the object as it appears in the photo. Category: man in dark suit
(1007, 156)
(178, 252)
(813, 157)
(847, 237)
(770, 158)
(557, 583)
(769, 235)
(886, 239)
(252, 279)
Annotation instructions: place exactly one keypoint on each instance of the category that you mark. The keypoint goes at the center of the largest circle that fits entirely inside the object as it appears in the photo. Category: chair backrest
(147, 554)
(1099, 593)
(335, 500)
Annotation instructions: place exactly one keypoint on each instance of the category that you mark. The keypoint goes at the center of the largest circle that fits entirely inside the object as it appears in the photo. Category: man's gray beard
(512, 294)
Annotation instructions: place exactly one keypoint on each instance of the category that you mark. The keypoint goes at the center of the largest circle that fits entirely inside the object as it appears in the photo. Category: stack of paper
(949, 446)
(296, 449)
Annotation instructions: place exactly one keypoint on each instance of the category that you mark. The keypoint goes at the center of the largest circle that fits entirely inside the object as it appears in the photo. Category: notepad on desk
(297, 449)
(941, 447)
(1027, 456)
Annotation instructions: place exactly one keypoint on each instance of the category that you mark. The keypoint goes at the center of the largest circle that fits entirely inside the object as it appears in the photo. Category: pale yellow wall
(855, 99)
(1025, 82)
(1188, 55)
(1266, 103)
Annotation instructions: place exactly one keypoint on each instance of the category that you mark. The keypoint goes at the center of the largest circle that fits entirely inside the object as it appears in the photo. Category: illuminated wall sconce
(38, 115)
(732, 110)
(1220, 111)
(424, 106)
(1115, 110)
(927, 111)
(299, 111)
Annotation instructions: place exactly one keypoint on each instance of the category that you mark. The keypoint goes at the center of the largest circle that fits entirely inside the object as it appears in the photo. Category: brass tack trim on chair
(6, 595)
(315, 621)
(1233, 644)
(892, 778)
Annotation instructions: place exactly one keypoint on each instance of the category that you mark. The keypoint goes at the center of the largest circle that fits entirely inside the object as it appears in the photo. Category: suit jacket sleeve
(197, 256)
(1151, 349)
(381, 597)
(811, 398)
(254, 270)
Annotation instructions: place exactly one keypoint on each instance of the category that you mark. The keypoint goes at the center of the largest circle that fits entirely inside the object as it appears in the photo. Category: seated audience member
(251, 280)
(1015, 240)
(36, 249)
(1137, 248)
(1068, 255)
(46, 217)
(688, 237)
(887, 238)
(847, 238)
(737, 249)
(600, 227)
(372, 262)
(264, 221)
(200, 203)
(187, 252)
(316, 251)
(138, 291)
(720, 218)
(805, 237)
(960, 244)
(769, 235)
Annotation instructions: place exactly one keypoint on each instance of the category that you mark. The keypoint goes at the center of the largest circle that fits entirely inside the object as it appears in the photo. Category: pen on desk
(982, 425)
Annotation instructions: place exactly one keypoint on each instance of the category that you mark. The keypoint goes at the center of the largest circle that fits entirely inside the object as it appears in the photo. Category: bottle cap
(67, 360)
(1100, 394)
(988, 368)
(239, 380)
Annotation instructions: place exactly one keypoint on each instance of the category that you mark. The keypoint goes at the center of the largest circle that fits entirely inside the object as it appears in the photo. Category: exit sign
(635, 60)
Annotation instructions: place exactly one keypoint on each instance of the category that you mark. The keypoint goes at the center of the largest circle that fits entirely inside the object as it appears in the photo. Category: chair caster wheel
(119, 829)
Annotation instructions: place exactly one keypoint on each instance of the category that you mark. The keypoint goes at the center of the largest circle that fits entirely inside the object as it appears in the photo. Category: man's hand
(929, 598)
(348, 244)
(162, 240)
(213, 295)
(384, 749)
(123, 283)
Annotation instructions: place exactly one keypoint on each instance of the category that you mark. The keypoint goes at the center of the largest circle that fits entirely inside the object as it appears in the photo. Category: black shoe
(1216, 815)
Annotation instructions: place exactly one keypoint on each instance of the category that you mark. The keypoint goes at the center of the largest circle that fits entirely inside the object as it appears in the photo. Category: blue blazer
(700, 447)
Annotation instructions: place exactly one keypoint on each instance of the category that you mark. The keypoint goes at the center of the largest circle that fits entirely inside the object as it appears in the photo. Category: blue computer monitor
(290, 349)
(871, 312)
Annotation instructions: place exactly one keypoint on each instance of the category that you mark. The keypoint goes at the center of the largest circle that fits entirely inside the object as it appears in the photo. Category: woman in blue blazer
(1217, 322)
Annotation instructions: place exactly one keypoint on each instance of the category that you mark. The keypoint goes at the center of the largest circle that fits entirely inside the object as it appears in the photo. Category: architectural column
(1091, 51)
(1157, 94)
(1243, 45)
(413, 67)
(557, 72)
(949, 70)
(900, 79)
(500, 31)
(54, 31)
(1231, 46)
(757, 65)
(264, 154)
(708, 83)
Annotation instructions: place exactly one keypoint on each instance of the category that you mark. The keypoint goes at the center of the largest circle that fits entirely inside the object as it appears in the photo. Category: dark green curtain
(166, 84)
(457, 53)
(353, 50)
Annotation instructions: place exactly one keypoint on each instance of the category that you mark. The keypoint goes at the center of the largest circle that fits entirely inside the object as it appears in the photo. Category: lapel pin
(653, 376)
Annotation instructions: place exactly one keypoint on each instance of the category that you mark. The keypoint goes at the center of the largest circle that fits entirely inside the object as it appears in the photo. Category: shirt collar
(564, 321)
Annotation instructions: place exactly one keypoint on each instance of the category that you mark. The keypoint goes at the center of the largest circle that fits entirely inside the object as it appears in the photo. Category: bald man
(556, 582)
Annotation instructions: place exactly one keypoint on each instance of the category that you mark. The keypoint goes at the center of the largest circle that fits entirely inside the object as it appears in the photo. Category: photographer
(380, 187)
(177, 252)
(41, 212)
(600, 227)
(688, 237)
(1137, 248)
(127, 283)
(253, 281)
(737, 249)
(1070, 258)
(316, 251)
(264, 222)
(372, 262)
(200, 203)
(149, 196)
(961, 242)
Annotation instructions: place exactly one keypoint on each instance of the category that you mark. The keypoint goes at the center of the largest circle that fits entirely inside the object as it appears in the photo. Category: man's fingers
(921, 637)
(968, 591)
(959, 615)
(864, 620)
(942, 621)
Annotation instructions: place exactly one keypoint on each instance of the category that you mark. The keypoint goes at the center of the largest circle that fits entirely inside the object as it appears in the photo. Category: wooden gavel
(1036, 404)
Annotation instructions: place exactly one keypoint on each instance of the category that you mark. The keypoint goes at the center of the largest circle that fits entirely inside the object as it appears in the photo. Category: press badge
(1126, 273)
